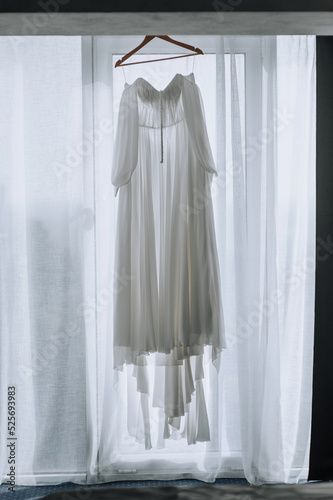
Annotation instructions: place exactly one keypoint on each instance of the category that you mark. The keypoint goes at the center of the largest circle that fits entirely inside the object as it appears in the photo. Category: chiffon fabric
(168, 311)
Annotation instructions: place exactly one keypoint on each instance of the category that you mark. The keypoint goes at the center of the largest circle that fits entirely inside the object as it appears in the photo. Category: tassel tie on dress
(161, 110)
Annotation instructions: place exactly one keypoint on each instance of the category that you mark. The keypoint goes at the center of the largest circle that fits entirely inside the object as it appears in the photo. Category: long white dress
(167, 300)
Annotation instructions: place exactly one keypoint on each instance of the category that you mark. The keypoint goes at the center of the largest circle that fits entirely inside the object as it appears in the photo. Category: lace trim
(189, 78)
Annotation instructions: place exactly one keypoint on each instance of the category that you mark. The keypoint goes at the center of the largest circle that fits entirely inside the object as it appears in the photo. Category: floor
(36, 492)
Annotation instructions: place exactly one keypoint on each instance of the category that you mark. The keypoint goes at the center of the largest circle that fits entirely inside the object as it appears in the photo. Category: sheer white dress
(167, 301)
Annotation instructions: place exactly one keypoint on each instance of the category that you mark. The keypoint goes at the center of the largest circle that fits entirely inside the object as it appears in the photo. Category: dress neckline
(143, 80)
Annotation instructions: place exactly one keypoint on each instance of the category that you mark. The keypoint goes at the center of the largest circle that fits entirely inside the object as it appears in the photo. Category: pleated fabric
(167, 300)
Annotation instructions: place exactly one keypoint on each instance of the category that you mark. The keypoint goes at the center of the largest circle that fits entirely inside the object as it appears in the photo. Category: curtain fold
(75, 420)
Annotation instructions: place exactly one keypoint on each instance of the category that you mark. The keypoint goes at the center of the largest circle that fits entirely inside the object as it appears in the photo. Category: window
(60, 100)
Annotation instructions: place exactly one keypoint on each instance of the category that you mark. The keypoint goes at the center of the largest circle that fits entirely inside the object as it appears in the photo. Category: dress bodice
(153, 103)
(174, 111)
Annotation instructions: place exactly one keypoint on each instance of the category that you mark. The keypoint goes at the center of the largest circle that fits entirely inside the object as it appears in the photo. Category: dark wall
(321, 451)
(163, 5)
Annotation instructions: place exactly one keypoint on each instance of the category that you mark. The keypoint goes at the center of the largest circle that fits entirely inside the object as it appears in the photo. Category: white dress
(167, 300)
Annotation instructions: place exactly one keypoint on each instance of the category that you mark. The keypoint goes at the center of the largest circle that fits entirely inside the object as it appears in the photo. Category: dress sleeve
(125, 150)
(196, 123)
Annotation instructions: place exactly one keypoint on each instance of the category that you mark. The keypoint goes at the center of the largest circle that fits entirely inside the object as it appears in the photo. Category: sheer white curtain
(42, 221)
(266, 222)
(58, 215)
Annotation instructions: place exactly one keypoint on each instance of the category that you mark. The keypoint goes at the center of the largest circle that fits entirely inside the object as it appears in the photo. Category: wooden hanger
(147, 39)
